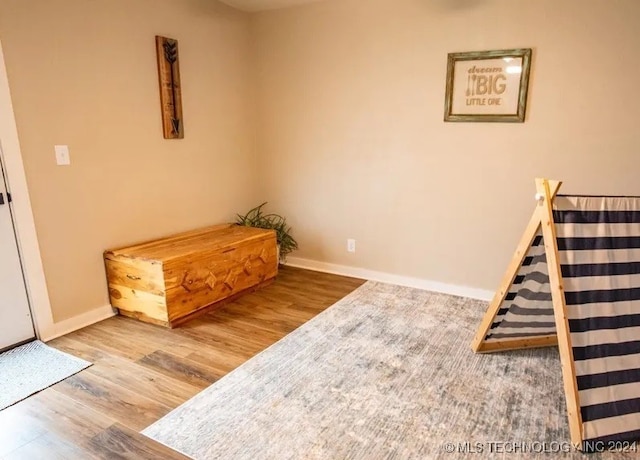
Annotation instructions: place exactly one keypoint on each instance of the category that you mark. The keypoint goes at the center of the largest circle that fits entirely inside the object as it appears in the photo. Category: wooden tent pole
(545, 212)
(528, 236)
(519, 344)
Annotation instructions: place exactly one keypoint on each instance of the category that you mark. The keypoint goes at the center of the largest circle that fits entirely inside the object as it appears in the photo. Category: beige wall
(352, 142)
(83, 73)
(350, 138)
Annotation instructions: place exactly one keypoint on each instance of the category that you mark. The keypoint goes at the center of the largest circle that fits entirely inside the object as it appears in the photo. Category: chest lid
(210, 239)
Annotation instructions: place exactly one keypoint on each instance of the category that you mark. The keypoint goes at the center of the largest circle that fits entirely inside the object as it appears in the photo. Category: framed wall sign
(487, 85)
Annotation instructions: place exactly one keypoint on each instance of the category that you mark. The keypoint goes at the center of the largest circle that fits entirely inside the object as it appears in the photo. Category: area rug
(31, 368)
(386, 373)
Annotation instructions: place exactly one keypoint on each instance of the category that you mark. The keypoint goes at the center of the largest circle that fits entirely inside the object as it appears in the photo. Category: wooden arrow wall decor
(170, 91)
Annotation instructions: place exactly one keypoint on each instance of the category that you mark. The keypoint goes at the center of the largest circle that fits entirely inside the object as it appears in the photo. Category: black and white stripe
(527, 310)
(599, 246)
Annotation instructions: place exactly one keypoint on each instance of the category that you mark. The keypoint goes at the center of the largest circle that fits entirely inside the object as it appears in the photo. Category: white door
(15, 318)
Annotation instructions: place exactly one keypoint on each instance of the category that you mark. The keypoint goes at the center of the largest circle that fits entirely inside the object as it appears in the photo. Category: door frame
(24, 223)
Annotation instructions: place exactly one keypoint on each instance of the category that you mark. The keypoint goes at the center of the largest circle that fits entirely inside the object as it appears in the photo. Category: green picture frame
(487, 86)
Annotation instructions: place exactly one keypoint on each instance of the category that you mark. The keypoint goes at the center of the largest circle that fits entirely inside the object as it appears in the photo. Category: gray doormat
(31, 368)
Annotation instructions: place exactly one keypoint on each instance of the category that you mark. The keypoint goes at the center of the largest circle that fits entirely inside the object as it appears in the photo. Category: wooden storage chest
(170, 280)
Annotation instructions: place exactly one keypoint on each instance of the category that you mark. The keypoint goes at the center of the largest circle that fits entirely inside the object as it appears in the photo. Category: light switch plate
(62, 155)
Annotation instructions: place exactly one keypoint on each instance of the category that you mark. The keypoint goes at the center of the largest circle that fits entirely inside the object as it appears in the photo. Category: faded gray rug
(387, 372)
(31, 368)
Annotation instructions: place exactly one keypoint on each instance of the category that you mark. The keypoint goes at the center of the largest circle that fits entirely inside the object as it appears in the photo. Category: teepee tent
(574, 281)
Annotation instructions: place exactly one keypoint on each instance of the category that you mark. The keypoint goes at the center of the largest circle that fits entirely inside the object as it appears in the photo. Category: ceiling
(260, 5)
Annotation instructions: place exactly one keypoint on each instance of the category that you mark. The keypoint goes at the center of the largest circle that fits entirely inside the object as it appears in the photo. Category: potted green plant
(256, 217)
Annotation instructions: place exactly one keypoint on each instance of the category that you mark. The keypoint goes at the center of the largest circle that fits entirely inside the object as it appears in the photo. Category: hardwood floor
(142, 371)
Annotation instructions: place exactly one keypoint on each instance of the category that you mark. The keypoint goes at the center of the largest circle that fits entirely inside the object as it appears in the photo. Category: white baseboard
(78, 322)
(363, 273)
(98, 314)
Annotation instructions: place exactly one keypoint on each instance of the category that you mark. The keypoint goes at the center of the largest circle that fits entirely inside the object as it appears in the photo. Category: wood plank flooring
(142, 371)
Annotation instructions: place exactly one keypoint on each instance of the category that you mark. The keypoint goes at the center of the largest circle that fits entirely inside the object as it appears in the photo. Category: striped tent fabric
(527, 310)
(599, 247)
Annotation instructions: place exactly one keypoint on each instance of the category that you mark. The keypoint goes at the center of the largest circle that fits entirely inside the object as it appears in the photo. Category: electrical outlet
(351, 245)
